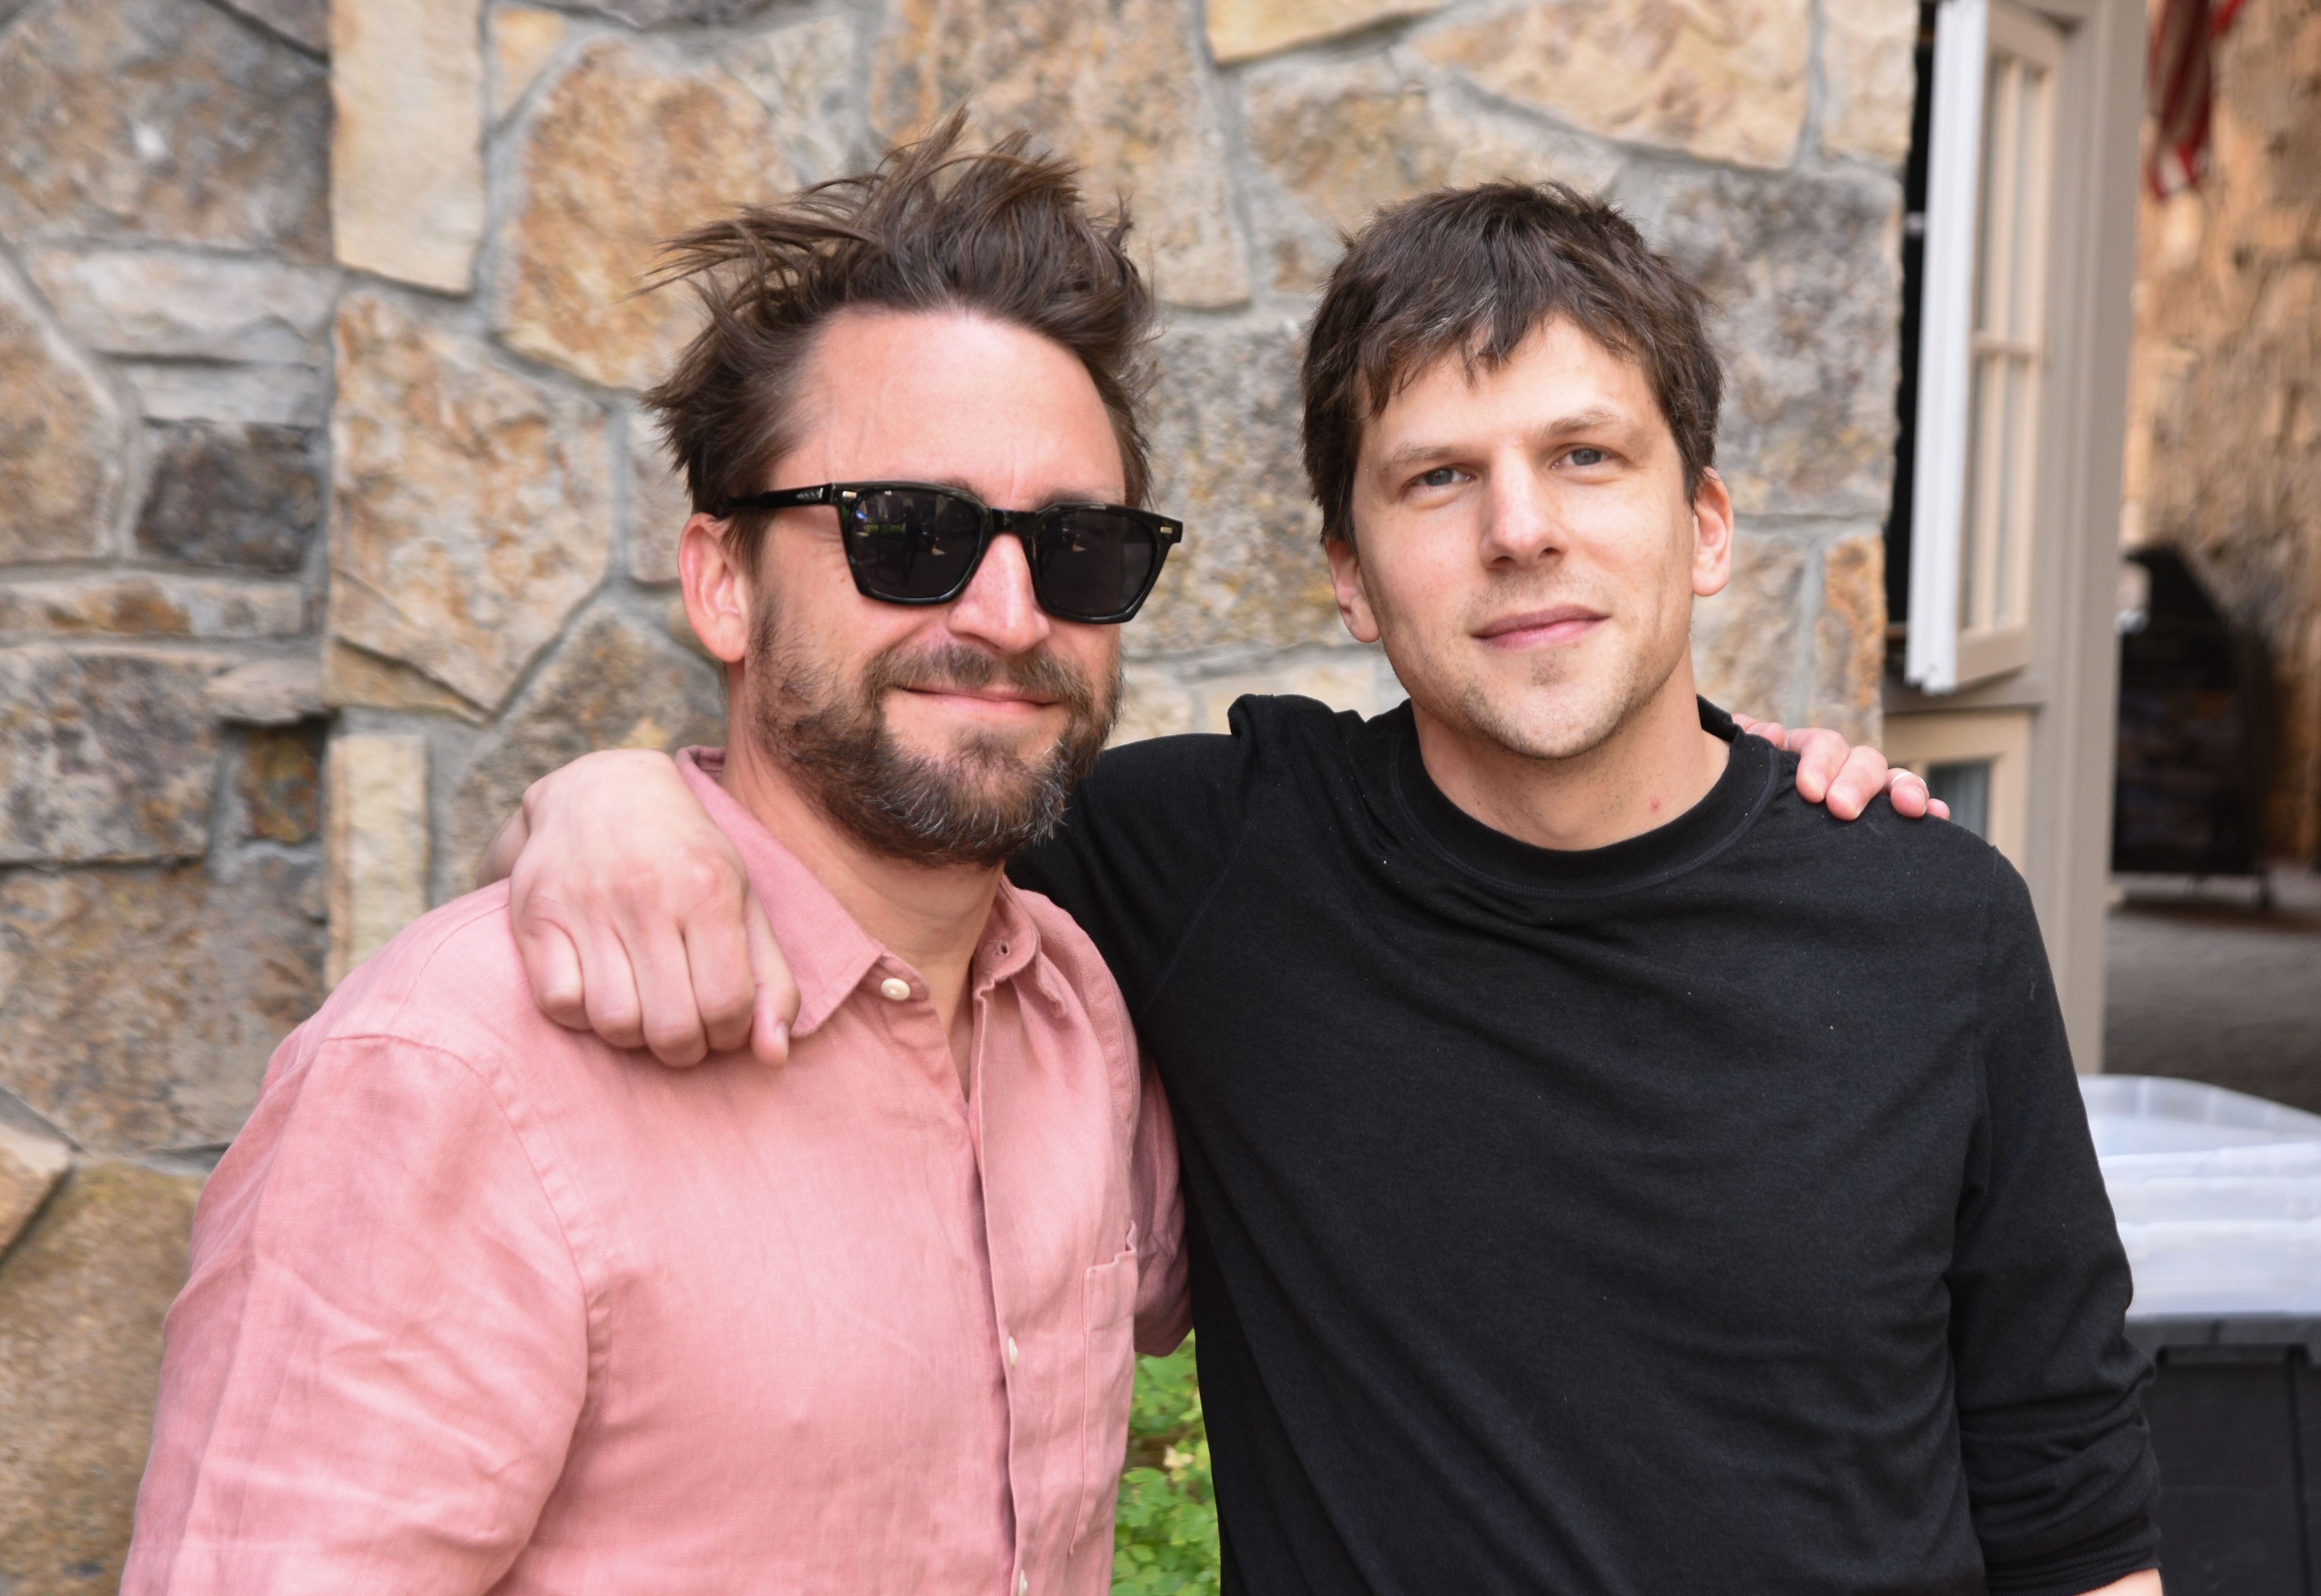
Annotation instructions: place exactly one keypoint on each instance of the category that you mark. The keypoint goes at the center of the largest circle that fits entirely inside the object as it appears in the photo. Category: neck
(1657, 763)
(932, 917)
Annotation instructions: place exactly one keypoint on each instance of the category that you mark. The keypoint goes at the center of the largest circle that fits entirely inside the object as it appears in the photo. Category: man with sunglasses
(479, 1303)
(1604, 1171)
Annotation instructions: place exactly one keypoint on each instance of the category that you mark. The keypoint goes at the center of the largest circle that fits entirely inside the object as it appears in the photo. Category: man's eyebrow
(1579, 420)
(1079, 496)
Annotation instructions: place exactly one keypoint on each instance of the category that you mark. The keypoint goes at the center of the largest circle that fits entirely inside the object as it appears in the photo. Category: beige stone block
(1153, 703)
(613, 684)
(268, 692)
(406, 145)
(379, 848)
(1804, 275)
(355, 678)
(627, 148)
(106, 753)
(62, 439)
(152, 604)
(81, 1303)
(1869, 78)
(659, 505)
(258, 395)
(523, 40)
(473, 506)
(138, 1007)
(1224, 453)
(1849, 638)
(162, 120)
(805, 78)
(1240, 30)
(179, 304)
(1720, 79)
(1745, 654)
(1351, 682)
(1347, 140)
(29, 1168)
(1123, 90)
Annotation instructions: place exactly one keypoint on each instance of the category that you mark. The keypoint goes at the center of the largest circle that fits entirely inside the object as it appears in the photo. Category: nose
(997, 610)
(1521, 527)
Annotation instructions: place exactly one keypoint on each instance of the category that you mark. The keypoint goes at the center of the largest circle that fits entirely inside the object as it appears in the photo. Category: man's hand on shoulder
(634, 914)
(1846, 778)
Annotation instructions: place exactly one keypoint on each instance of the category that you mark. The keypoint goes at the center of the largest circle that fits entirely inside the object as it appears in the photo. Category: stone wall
(2224, 446)
(321, 465)
(166, 287)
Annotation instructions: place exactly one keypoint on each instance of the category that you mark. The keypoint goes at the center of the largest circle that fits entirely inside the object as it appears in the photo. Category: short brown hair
(1002, 231)
(1473, 271)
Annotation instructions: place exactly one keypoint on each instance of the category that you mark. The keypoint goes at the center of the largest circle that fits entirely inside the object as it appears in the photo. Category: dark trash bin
(2218, 1199)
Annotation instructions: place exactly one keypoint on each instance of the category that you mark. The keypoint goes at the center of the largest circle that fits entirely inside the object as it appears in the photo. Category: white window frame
(1971, 522)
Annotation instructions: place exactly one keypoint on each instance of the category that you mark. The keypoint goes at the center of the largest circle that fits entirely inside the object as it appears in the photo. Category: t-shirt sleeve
(1146, 838)
(2059, 1464)
(372, 1376)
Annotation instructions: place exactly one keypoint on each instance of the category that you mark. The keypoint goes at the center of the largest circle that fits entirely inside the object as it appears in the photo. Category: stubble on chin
(980, 804)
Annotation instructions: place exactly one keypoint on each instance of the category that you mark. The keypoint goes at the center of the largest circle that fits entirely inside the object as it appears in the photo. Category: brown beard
(980, 805)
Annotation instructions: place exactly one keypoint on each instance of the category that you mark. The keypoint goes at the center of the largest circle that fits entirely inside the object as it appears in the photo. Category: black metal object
(2187, 782)
(2235, 1407)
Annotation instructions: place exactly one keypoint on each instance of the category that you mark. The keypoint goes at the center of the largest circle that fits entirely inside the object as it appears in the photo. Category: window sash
(1982, 351)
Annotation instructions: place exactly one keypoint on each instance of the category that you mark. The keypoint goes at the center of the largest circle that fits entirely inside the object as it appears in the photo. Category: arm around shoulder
(634, 914)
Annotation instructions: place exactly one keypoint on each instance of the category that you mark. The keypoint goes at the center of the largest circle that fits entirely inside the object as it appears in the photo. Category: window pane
(2012, 419)
(1965, 786)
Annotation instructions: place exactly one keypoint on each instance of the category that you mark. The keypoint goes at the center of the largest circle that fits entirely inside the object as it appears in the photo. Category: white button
(1022, 1583)
(1011, 1352)
(893, 989)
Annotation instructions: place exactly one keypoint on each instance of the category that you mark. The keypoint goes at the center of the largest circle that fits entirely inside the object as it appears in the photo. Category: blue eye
(1585, 456)
(1440, 476)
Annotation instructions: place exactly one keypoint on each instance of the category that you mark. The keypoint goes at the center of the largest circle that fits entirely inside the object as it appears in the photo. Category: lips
(1555, 624)
(988, 694)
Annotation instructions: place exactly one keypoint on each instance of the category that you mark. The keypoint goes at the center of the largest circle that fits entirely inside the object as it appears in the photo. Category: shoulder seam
(523, 1144)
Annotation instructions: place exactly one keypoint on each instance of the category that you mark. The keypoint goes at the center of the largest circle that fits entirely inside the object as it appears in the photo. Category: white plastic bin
(2217, 1194)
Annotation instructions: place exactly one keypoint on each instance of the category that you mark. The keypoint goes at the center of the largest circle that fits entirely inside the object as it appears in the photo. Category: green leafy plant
(1165, 1536)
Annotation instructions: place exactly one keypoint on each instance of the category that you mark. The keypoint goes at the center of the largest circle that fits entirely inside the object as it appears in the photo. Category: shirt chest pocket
(1108, 1298)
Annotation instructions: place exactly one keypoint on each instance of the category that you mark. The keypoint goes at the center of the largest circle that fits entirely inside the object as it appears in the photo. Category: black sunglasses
(920, 543)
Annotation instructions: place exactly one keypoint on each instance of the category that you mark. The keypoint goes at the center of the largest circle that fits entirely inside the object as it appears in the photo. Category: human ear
(1354, 598)
(716, 590)
(1712, 536)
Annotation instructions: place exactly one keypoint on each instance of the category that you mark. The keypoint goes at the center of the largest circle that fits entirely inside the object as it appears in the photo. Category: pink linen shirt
(481, 1303)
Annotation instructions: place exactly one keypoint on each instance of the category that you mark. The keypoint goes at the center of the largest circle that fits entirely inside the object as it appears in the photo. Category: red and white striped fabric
(2178, 87)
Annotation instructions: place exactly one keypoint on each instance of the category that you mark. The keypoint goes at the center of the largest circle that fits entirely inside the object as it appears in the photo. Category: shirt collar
(829, 954)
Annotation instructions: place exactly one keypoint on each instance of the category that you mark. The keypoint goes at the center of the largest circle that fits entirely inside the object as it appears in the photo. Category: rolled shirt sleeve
(372, 1377)
(1164, 1302)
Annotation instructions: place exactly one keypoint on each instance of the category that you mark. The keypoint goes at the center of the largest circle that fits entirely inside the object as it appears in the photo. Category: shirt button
(893, 989)
(1022, 1583)
(1011, 1352)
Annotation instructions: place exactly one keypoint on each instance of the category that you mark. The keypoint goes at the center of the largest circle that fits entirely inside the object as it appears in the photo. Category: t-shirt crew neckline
(1691, 840)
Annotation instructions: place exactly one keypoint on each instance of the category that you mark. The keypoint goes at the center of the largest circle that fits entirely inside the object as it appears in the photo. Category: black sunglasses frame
(1029, 525)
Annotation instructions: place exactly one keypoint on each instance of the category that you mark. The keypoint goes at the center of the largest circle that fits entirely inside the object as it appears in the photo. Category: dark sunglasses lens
(910, 544)
(1095, 563)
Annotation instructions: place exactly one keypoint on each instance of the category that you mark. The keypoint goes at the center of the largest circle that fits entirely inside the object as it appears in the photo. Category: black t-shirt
(1715, 1211)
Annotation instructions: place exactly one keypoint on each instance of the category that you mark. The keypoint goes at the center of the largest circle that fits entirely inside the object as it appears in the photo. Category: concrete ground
(2208, 983)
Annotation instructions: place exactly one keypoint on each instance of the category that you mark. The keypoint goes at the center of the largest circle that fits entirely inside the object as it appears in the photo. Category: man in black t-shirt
(1605, 1171)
